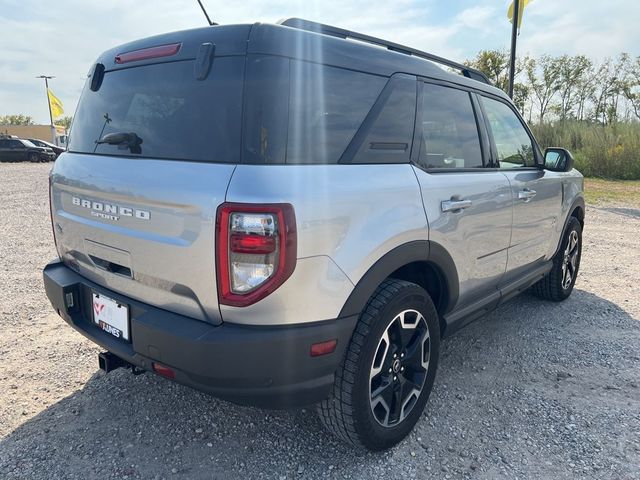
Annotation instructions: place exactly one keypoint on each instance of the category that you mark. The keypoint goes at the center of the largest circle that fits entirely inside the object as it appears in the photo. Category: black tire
(34, 157)
(554, 286)
(349, 411)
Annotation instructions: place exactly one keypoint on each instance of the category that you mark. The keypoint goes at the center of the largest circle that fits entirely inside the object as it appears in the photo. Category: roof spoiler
(310, 26)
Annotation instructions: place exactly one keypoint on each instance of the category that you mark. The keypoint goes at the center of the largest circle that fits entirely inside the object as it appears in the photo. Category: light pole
(46, 84)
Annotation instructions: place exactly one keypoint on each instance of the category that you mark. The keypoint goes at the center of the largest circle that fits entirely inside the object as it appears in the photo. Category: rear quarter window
(297, 112)
(175, 115)
(326, 107)
(387, 134)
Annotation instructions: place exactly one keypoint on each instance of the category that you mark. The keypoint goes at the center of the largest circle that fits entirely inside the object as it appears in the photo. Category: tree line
(592, 108)
(568, 87)
(16, 120)
(20, 119)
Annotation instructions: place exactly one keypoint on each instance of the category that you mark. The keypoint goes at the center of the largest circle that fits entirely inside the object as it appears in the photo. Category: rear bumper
(262, 366)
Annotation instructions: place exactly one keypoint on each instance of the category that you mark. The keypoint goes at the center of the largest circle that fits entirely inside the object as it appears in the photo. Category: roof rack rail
(316, 27)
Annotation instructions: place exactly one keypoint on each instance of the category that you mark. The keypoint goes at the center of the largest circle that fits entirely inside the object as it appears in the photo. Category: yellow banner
(56, 105)
(522, 4)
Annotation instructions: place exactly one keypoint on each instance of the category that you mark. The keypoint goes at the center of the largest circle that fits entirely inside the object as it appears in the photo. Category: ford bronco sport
(282, 215)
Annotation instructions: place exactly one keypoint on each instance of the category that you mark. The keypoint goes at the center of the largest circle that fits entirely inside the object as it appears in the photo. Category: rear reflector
(164, 370)
(323, 348)
(147, 53)
(258, 244)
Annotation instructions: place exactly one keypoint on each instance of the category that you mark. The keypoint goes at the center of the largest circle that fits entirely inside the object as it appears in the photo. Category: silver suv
(282, 215)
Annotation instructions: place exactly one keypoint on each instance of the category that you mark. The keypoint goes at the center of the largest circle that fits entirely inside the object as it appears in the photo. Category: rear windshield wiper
(123, 140)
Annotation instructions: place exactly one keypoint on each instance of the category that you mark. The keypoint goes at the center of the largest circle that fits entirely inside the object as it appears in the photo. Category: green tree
(632, 87)
(584, 91)
(610, 86)
(64, 122)
(542, 77)
(521, 94)
(495, 65)
(16, 120)
(571, 73)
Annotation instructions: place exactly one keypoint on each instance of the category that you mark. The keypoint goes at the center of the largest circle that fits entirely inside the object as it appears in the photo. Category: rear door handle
(526, 194)
(455, 205)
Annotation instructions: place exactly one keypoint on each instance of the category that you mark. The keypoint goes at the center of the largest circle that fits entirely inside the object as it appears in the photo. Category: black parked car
(18, 150)
(41, 143)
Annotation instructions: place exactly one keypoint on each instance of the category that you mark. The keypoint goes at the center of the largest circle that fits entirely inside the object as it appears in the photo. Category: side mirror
(558, 159)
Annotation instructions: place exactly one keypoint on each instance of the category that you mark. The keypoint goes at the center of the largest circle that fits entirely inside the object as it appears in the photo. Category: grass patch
(601, 151)
(599, 191)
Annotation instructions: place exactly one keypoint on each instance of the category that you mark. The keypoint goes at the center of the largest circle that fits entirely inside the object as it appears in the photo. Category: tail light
(256, 250)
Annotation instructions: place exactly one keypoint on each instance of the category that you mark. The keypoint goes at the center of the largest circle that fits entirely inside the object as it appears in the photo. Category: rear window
(175, 115)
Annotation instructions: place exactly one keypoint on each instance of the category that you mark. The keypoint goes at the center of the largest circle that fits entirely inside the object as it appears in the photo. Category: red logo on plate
(98, 308)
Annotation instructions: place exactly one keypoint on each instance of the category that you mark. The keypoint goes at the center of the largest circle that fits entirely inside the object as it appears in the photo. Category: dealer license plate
(111, 316)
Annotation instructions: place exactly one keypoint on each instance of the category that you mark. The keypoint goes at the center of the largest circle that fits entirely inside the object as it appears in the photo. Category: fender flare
(415, 251)
(578, 202)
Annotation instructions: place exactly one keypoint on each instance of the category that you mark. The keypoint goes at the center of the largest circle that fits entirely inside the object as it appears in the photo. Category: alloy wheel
(570, 260)
(399, 368)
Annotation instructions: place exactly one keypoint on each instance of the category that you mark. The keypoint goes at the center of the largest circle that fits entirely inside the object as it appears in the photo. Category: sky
(63, 38)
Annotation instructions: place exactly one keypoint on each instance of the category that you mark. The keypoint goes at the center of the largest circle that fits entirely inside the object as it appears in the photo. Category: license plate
(111, 316)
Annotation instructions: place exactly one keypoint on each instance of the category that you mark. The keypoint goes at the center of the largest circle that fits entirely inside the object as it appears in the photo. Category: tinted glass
(16, 144)
(513, 144)
(4, 143)
(175, 115)
(449, 129)
(390, 133)
(326, 107)
(266, 109)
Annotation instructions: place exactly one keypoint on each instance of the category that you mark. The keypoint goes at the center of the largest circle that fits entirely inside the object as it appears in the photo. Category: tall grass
(604, 151)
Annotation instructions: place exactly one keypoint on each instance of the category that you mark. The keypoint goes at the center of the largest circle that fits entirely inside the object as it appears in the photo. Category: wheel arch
(423, 262)
(577, 211)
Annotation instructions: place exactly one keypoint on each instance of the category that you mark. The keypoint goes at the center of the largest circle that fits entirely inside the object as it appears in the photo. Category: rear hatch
(153, 146)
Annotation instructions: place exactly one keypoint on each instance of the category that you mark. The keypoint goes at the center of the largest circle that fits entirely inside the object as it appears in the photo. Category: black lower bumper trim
(262, 366)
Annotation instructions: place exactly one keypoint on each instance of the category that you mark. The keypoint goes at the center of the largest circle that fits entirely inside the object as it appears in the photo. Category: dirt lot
(534, 390)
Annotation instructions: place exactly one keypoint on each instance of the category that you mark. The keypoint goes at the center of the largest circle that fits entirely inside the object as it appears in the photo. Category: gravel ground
(534, 390)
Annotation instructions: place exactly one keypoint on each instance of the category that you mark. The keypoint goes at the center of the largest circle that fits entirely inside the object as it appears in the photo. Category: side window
(16, 144)
(326, 107)
(513, 144)
(4, 143)
(449, 130)
(388, 129)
